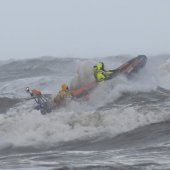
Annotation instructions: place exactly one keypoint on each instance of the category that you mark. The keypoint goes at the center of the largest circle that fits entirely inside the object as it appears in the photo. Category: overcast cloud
(83, 28)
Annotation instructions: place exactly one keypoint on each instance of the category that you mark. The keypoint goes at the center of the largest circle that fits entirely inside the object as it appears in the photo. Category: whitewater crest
(114, 107)
(124, 124)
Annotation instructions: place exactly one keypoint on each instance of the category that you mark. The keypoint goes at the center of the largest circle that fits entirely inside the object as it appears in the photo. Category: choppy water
(124, 126)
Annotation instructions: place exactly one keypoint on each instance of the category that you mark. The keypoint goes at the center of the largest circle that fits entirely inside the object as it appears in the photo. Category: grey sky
(83, 28)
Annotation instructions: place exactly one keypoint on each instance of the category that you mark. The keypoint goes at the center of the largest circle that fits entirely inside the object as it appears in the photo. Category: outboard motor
(42, 103)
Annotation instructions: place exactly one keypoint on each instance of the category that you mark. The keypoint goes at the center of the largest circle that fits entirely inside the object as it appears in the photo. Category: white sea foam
(25, 126)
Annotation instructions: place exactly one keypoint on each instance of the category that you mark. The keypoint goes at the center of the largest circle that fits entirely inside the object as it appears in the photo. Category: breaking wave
(117, 106)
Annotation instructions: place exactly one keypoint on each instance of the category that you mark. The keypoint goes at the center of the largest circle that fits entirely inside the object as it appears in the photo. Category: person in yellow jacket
(63, 94)
(100, 73)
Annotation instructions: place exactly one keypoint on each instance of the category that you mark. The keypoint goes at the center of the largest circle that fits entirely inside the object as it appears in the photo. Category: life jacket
(100, 76)
(99, 73)
(63, 93)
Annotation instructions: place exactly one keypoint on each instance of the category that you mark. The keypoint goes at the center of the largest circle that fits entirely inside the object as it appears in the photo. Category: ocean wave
(7, 103)
(118, 106)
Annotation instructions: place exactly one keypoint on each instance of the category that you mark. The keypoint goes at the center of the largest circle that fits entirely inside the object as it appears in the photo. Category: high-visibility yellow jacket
(101, 75)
